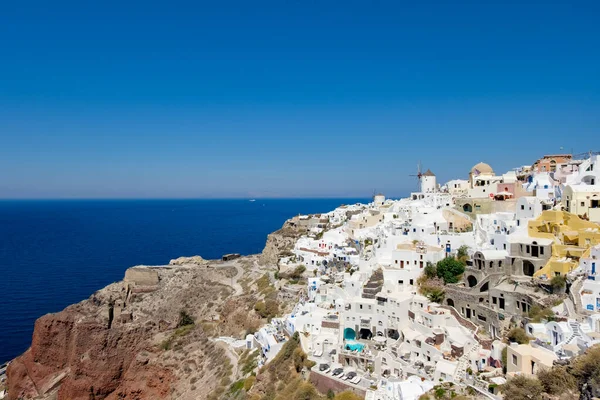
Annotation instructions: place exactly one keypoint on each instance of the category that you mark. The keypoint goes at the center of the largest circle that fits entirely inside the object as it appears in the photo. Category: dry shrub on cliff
(586, 369)
(267, 309)
(518, 335)
(523, 388)
(263, 283)
(347, 396)
(557, 380)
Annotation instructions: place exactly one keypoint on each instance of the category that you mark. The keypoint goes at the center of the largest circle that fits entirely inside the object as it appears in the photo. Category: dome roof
(482, 168)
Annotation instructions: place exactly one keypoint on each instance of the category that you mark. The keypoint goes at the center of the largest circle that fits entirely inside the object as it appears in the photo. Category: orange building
(548, 163)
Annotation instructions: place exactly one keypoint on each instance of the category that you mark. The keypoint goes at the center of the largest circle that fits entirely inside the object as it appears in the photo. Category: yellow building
(573, 237)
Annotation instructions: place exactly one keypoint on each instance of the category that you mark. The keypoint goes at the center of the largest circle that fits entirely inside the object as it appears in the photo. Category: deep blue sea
(55, 253)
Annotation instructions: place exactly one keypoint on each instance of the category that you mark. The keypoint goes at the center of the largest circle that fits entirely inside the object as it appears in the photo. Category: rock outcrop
(124, 342)
(280, 243)
(194, 260)
(75, 355)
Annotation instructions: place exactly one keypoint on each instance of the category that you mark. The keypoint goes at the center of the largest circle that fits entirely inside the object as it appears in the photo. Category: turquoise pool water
(353, 345)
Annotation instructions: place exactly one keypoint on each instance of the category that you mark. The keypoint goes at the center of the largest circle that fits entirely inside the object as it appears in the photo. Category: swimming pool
(353, 345)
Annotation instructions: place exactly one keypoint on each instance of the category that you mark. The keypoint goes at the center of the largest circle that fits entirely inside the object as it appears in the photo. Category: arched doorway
(450, 302)
(528, 268)
(349, 333)
(472, 281)
(393, 333)
(468, 208)
(365, 333)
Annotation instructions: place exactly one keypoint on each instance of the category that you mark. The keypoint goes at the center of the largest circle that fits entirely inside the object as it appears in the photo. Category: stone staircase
(374, 285)
(576, 332)
(463, 363)
(575, 297)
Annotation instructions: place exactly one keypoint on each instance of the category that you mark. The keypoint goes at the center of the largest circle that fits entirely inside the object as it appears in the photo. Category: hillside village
(470, 282)
(482, 288)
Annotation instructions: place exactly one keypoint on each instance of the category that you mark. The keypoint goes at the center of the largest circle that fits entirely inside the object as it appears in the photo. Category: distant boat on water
(251, 200)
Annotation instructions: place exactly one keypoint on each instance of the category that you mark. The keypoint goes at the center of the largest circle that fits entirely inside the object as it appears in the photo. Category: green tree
(504, 356)
(523, 388)
(430, 270)
(450, 269)
(436, 295)
(462, 254)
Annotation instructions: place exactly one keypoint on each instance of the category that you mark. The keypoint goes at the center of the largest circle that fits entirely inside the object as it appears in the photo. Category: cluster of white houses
(522, 228)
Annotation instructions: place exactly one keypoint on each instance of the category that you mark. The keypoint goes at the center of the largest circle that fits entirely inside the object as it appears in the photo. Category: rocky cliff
(127, 340)
(280, 243)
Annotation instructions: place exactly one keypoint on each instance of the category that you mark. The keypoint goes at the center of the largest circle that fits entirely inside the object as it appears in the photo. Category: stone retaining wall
(324, 383)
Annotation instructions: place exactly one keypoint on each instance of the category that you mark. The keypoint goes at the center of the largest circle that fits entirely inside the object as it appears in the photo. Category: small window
(541, 250)
(522, 207)
(411, 282)
(361, 306)
(583, 204)
(514, 359)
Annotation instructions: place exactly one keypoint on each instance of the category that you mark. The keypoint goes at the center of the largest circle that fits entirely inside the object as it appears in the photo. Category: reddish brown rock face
(124, 341)
(80, 356)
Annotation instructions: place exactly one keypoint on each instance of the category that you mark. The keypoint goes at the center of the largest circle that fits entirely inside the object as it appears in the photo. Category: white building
(590, 291)
(428, 182)
(583, 200)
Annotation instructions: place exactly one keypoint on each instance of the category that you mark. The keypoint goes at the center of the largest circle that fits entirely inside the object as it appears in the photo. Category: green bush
(297, 272)
(184, 319)
(450, 269)
(463, 253)
(435, 295)
(236, 386)
(439, 393)
(430, 270)
(558, 283)
(249, 382)
(267, 309)
(536, 314)
(518, 335)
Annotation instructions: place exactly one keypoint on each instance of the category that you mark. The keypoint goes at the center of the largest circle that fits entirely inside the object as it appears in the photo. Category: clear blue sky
(287, 98)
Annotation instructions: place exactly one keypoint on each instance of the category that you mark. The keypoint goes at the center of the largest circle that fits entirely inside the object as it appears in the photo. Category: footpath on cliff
(150, 336)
